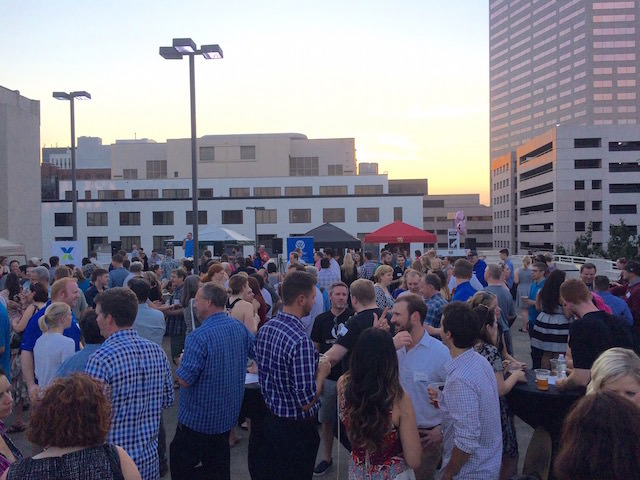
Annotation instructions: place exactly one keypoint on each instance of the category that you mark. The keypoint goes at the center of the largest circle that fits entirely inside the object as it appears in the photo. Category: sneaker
(322, 468)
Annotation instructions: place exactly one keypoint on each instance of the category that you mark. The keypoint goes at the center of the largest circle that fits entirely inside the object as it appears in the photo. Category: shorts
(328, 402)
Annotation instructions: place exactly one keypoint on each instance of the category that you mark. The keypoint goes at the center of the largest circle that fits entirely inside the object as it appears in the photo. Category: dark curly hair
(74, 412)
(550, 292)
(371, 387)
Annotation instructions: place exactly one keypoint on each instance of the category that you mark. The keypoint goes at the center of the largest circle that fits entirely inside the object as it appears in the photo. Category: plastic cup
(438, 387)
(554, 367)
(542, 379)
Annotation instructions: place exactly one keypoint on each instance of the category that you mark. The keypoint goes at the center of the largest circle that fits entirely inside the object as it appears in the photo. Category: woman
(52, 348)
(83, 282)
(551, 328)
(237, 305)
(71, 423)
(487, 346)
(216, 274)
(378, 415)
(9, 453)
(617, 370)
(383, 278)
(191, 286)
(155, 294)
(600, 440)
(257, 300)
(348, 270)
(522, 277)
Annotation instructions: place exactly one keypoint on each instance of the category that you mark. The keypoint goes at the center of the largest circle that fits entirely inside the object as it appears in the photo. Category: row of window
(580, 205)
(501, 214)
(501, 184)
(229, 217)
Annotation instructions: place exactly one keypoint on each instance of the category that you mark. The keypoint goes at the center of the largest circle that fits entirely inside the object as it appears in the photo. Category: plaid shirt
(435, 305)
(167, 266)
(327, 277)
(367, 270)
(287, 362)
(139, 378)
(471, 416)
(214, 366)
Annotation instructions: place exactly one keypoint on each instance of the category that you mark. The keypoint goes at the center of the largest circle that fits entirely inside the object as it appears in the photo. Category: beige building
(20, 218)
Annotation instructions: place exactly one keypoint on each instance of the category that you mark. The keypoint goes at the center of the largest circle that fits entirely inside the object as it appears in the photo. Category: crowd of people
(409, 360)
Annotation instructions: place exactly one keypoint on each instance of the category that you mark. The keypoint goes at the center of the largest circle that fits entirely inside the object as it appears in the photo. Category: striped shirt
(551, 331)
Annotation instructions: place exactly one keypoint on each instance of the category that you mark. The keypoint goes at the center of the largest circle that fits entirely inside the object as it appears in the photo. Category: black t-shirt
(594, 333)
(353, 328)
(325, 332)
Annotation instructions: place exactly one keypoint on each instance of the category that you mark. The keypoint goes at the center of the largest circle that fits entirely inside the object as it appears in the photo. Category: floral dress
(509, 439)
(385, 464)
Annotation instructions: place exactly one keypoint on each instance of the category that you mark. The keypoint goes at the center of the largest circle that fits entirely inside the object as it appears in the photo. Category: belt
(290, 419)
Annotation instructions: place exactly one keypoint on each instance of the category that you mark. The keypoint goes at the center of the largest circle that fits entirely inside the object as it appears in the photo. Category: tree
(622, 242)
(583, 244)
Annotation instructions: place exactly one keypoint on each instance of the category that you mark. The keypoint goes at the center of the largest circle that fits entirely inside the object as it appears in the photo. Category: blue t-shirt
(33, 332)
(533, 293)
(463, 292)
(5, 341)
(188, 248)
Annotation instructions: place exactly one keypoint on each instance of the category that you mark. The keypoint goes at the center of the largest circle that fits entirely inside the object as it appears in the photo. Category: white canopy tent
(11, 249)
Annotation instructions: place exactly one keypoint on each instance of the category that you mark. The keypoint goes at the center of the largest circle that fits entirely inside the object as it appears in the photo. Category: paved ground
(239, 469)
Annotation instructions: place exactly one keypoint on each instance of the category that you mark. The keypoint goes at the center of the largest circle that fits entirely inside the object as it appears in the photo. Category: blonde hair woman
(522, 278)
(52, 348)
(383, 278)
(348, 270)
(617, 370)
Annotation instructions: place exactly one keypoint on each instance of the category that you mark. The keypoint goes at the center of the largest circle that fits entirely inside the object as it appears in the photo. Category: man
(333, 264)
(435, 302)
(493, 276)
(169, 264)
(470, 404)
(413, 279)
(631, 292)
(588, 274)
(149, 322)
(155, 258)
(54, 262)
(92, 341)
(318, 304)
(369, 268)
(263, 255)
(462, 271)
(290, 381)
(504, 256)
(135, 253)
(187, 246)
(618, 306)
(138, 375)
(593, 332)
(40, 275)
(293, 259)
(326, 276)
(66, 291)
(118, 273)
(420, 363)
(537, 281)
(135, 271)
(100, 280)
(479, 266)
(211, 377)
(324, 335)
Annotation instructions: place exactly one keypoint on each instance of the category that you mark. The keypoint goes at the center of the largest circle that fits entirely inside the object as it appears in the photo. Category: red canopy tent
(400, 232)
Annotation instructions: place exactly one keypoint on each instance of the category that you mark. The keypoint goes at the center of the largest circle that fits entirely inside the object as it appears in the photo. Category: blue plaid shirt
(435, 305)
(287, 362)
(214, 365)
(139, 378)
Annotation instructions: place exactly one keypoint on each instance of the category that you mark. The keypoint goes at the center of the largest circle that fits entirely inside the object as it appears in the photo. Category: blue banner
(303, 243)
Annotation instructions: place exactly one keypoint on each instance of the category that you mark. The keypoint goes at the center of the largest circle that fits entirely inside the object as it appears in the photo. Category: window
(547, 167)
(202, 217)
(596, 184)
(579, 227)
(624, 146)
(94, 242)
(433, 203)
(175, 193)
(330, 215)
(596, 226)
(97, 219)
(87, 194)
(303, 166)
(368, 189)
(335, 170)
(268, 215)
(205, 193)
(207, 154)
(536, 153)
(129, 218)
(624, 167)
(371, 214)
(622, 209)
(333, 190)
(63, 219)
(158, 241)
(110, 194)
(239, 192)
(624, 188)
(67, 195)
(247, 152)
(540, 189)
(129, 241)
(299, 215)
(130, 174)
(163, 218)
(596, 205)
(545, 207)
(156, 169)
(579, 184)
(232, 217)
(587, 163)
(579, 206)
(397, 214)
(298, 191)
(267, 191)
(587, 143)
(145, 193)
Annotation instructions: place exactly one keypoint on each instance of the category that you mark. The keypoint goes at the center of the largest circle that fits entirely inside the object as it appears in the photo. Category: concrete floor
(239, 469)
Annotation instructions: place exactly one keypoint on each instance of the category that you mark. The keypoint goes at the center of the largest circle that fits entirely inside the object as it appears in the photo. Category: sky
(409, 80)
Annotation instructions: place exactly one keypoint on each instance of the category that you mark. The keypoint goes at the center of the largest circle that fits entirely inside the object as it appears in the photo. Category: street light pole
(82, 95)
(181, 47)
(255, 224)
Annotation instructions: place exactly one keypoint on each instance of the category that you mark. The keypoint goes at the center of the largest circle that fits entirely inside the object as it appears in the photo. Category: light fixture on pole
(255, 224)
(180, 48)
(80, 95)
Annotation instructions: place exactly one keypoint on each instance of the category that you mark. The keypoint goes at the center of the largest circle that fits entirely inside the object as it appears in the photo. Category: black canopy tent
(330, 236)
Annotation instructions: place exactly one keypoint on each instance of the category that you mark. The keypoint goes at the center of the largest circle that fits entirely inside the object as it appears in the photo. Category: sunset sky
(407, 79)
